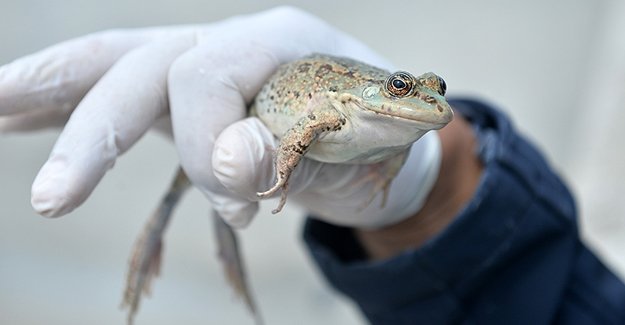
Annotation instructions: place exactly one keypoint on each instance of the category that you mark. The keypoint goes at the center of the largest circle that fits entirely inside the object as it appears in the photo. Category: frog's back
(283, 99)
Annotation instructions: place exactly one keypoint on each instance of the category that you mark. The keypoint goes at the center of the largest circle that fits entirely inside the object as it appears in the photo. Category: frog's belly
(350, 153)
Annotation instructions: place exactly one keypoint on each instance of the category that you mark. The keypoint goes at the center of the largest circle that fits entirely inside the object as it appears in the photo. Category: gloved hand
(108, 89)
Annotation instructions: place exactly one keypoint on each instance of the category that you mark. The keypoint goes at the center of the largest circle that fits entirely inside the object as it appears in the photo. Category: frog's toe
(268, 193)
(280, 184)
(282, 202)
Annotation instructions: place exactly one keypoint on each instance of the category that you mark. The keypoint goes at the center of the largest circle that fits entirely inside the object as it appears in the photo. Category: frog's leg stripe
(297, 141)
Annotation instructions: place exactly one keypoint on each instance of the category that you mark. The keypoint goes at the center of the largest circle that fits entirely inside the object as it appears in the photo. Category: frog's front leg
(297, 141)
(381, 175)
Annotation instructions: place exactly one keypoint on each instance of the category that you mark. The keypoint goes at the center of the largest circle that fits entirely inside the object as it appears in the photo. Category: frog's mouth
(434, 118)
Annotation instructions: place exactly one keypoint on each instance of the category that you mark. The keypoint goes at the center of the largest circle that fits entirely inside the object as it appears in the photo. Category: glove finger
(207, 88)
(242, 158)
(58, 77)
(242, 162)
(111, 117)
(237, 212)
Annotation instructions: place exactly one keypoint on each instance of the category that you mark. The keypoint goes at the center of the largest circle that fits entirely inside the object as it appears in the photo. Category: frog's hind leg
(145, 260)
(296, 142)
(232, 262)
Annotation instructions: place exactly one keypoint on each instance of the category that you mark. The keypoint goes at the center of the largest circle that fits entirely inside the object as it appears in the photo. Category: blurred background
(558, 67)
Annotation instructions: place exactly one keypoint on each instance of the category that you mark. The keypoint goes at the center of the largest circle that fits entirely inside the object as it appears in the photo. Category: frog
(322, 107)
(338, 110)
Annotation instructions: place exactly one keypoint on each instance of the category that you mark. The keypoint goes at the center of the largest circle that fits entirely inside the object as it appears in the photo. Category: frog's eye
(400, 84)
(433, 82)
(442, 86)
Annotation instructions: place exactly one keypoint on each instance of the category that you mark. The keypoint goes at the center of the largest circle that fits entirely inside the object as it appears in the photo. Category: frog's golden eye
(400, 84)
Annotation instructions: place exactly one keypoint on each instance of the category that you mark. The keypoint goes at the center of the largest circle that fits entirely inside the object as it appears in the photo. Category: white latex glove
(115, 85)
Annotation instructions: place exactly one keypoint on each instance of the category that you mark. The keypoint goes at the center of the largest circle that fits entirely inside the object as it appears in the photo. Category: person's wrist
(457, 180)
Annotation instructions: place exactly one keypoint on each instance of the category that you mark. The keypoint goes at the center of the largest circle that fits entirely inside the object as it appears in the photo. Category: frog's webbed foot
(296, 142)
(381, 176)
(145, 260)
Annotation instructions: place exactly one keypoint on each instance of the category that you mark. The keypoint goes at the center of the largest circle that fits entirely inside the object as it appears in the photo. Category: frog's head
(417, 99)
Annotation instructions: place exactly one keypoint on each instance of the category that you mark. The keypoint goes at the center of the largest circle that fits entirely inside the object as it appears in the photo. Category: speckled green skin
(340, 110)
(293, 85)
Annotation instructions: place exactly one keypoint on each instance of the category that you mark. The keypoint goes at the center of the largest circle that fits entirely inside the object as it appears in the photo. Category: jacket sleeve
(512, 255)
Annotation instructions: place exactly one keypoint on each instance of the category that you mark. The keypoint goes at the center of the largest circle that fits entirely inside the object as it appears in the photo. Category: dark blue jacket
(512, 256)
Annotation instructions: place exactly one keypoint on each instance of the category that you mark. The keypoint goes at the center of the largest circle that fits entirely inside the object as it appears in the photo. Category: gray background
(556, 66)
